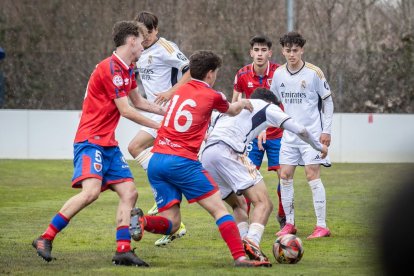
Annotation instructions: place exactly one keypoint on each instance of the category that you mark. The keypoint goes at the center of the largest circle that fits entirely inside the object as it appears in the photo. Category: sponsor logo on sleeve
(126, 81)
(325, 84)
(117, 80)
(249, 84)
(181, 57)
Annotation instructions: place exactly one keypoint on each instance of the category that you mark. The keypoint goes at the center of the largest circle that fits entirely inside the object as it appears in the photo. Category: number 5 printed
(180, 112)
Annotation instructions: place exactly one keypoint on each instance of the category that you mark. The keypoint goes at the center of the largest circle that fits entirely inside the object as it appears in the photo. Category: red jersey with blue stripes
(111, 79)
(246, 81)
(188, 116)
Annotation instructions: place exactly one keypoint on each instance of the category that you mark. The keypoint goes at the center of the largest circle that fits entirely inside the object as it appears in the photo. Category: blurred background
(364, 47)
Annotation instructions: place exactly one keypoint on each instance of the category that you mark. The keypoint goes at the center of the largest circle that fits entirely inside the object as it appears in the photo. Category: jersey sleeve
(275, 116)
(112, 81)
(237, 84)
(220, 102)
(174, 57)
(321, 85)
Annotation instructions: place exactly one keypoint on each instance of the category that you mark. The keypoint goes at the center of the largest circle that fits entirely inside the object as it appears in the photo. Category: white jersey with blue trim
(301, 94)
(238, 131)
(160, 67)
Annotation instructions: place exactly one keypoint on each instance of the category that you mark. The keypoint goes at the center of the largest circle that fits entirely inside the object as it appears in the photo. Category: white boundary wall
(40, 134)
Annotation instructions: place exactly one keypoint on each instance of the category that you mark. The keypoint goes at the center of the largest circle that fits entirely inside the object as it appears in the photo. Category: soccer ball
(288, 249)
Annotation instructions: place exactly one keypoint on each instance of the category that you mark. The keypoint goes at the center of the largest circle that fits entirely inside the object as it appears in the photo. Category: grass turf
(32, 191)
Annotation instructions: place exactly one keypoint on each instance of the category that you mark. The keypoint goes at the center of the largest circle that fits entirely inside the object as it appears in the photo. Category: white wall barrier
(40, 134)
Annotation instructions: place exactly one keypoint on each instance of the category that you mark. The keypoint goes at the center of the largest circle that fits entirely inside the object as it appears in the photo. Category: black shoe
(44, 248)
(281, 220)
(128, 258)
(136, 226)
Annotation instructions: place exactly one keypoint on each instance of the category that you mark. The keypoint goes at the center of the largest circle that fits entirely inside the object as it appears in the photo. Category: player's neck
(124, 55)
(296, 67)
(259, 70)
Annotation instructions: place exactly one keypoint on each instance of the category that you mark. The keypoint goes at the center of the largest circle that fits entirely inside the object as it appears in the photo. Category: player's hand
(163, 98)
(261, 139)
(324, 151)
(248, 105)
(325, 139)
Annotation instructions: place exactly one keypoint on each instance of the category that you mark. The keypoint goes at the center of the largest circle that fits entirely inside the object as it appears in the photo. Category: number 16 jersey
(185, 123)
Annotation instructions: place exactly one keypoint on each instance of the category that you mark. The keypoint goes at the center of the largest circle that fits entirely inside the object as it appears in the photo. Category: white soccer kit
(159, 68)
(224, 153)
(302, 94)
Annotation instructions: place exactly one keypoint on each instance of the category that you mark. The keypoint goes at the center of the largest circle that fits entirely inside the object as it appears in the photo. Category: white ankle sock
(255, 232)
(243, 228)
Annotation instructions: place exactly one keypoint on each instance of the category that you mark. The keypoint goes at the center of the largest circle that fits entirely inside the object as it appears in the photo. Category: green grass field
(31, 192)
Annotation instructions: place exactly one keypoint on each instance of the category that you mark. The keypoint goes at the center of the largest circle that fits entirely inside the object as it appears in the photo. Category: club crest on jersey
(117, 80)
(269, 82)
(250, 84)
(97, 167)
(303, 84)
(149, 59)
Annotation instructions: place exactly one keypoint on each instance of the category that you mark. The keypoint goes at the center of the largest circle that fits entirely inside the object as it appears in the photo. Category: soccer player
(254, 75)
(162, 68)
(174, 168)
(98, 163)
(224, 158)
(306, 97)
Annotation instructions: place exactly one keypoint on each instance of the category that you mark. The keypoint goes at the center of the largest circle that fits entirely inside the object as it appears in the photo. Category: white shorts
(232, 172)
(154, 117)
(301, 155)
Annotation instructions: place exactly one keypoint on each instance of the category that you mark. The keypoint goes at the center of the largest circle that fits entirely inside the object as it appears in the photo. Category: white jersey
(238, 131)
(160, 67)
(301, 94)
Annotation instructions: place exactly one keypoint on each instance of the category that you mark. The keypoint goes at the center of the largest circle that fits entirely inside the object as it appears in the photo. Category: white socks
(286, 193)
(255, 232)
(319, 201)
(144, 157)
(243, 228)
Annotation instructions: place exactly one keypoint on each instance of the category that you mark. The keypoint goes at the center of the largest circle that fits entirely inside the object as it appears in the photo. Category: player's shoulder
(280, 68)
(314, 69)
(167, 46)
(244, 70)
(273, 66)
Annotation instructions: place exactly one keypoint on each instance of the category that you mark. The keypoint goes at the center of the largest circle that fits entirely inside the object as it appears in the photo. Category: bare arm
(141, 103)
(164, 97)
(237, 96)
(237, 107)
(132, 114)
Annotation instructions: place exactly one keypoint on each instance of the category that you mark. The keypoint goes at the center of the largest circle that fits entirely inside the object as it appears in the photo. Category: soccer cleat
(251, 263)
(136, 226)
(44, 248)
(319, 232)
(128, 258)
(253, 250)
(164, 240)
(281, 220)
(288, 229)
(153, 211)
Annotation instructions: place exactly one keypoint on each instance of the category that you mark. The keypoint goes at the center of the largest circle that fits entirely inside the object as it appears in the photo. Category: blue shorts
(272, 148)
(171, 176)
(104, 163)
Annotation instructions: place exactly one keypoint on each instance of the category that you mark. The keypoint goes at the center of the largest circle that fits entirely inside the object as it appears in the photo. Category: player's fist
(324, 151)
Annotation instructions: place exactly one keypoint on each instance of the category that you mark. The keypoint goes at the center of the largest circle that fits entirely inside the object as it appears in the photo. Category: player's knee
(90, 196)
(134, 149)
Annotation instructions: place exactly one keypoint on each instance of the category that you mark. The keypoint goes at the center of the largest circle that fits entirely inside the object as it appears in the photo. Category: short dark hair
(147, 18)
(292, 38)
(201, 62)
(123, 29)
(265, 95)
(261, 40)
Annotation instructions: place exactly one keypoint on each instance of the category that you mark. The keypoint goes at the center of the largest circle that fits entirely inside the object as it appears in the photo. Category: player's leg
(256, 156)
(140, 145)
(128, 196)
(312, 172)
(239, 206)
(272, 148)
(88, 167)
(289, 158)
